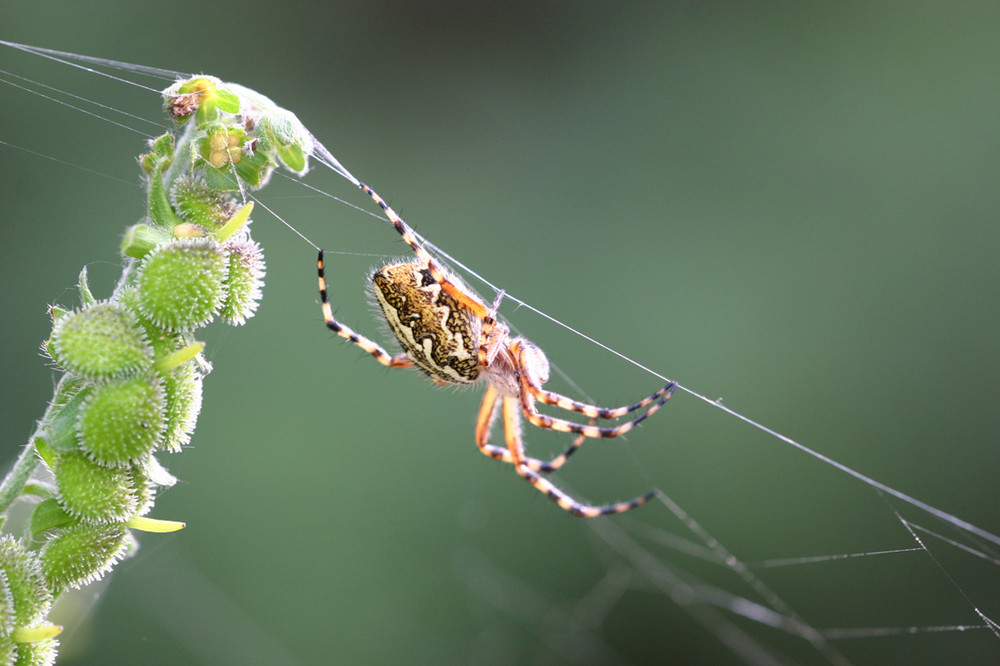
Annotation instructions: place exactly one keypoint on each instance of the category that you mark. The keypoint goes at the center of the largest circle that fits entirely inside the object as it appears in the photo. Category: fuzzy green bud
(93, 493)
(82, 554)
(199, 204)
(100, 341)
(26, 596)
(183, 388)
(121, 423)
(181, 283)
(244, 281)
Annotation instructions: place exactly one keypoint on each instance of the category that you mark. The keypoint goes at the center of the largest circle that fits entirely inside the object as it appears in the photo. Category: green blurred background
(792, 206)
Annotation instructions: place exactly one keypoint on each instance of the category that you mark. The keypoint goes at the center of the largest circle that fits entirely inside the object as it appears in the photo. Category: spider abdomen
(437, 332)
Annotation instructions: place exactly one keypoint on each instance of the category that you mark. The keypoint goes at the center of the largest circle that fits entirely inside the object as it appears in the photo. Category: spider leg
(593, 431)
(593, 411)
(370, 346)
(466, 299)
(531, 374)
(512, 432)
(487, 346)
(487, 411)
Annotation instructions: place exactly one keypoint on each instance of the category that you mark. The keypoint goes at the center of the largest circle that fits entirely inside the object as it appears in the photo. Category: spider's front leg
(370, 346)
(493, 333)
(533, 371)
(436, 272)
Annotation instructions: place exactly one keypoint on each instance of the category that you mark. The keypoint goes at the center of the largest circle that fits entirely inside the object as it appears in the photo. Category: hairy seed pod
(196, 202)
(122, 422)
(183, 389)
(36, 653)
(244, 281)
(145, 490)
(93, 493)
(8, 621)
(27, 596)
(181, 283)
(101, 341)
(162, 342)
(82, 554)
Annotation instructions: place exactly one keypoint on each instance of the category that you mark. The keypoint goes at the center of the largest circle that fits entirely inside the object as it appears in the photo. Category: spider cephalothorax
(447, 331)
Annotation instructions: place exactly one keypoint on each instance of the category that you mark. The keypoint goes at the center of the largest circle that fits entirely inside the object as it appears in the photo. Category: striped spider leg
(449, 333)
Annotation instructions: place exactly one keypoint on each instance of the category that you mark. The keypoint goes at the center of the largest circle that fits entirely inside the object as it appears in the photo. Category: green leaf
(49, 515)
(58, 431)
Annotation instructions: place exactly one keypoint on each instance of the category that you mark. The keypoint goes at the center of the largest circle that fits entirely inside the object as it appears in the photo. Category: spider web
(755, 607)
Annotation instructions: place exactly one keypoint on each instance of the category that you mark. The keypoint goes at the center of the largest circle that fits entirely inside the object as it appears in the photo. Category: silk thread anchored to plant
(132, 369)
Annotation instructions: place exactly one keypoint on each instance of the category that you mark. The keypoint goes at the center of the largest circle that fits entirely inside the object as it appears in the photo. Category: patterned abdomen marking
(434, 329)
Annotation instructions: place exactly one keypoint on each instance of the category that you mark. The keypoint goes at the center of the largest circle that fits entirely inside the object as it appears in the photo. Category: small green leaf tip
(179, 357)
(181, 283)
(86, 298)
(100, 341)
(121, 423)
(235, 222)
(156, 165)
(82, 554)
(140, 239)
(36, 634)
(294, 158)
(144, 524)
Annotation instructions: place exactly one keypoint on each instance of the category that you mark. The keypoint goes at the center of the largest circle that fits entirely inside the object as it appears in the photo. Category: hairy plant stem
(15, 481)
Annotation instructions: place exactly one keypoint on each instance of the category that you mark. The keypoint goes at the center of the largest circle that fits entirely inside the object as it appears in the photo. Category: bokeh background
(793, 207)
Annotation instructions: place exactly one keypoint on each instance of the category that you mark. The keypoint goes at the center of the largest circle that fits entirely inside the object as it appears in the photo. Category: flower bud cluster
(132, 386)
(134, 372)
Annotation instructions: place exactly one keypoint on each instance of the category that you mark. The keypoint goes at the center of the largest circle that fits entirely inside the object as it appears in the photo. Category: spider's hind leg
(512, 431)
(576, 508)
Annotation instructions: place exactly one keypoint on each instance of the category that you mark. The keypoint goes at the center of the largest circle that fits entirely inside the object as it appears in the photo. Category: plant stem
(18, 476)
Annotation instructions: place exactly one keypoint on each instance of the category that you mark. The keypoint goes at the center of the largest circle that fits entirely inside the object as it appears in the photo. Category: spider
(449, 333)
